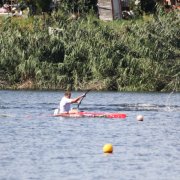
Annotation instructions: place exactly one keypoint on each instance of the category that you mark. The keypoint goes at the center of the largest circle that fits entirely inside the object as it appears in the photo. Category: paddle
(82, 99)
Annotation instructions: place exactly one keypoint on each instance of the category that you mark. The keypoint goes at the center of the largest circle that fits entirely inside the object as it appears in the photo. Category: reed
(138, 55)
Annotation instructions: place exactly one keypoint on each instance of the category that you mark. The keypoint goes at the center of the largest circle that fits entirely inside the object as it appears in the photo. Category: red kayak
(93, 114)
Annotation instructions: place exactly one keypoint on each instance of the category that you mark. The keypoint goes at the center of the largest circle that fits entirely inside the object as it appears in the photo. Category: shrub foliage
(87, 53)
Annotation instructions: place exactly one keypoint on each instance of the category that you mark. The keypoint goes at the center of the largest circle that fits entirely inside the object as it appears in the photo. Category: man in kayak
(66, 101)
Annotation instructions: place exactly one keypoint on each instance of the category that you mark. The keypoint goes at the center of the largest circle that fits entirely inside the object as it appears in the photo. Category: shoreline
(30, 86)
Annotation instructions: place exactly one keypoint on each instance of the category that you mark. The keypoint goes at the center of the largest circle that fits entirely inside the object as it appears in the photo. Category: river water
(34, 145)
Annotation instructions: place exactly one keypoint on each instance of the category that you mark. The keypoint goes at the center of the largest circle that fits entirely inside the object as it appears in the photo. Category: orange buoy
(108, 148)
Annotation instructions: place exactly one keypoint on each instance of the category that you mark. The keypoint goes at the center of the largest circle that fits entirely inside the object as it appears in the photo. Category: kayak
(92, 114)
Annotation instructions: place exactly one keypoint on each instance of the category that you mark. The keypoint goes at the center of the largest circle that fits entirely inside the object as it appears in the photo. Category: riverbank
(61, 53)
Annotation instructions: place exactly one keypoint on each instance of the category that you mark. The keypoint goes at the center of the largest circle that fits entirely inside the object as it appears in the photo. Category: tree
(37, 6)
(43, 5)
(79, 5)
(148, 6)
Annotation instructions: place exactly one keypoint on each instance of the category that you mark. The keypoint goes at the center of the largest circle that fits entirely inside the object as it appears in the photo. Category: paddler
(66, 101)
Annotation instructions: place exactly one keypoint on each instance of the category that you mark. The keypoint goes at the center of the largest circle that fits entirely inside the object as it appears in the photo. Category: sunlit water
(35, 145)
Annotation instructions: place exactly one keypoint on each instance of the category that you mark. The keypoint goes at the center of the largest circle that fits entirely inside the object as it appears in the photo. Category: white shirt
(65, 105)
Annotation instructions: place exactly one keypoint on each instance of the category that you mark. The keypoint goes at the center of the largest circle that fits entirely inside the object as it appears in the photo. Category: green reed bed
(138, 55)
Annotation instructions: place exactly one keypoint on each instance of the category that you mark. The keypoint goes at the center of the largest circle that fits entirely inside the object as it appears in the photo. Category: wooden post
(112, 4)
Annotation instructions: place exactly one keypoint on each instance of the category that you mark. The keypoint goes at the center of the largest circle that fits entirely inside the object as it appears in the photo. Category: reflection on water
(34, 145)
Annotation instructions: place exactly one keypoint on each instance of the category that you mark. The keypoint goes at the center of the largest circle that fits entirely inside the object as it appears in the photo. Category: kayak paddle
(82, 98)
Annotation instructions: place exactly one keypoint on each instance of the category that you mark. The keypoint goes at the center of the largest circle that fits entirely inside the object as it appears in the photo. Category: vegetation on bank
(135, 55)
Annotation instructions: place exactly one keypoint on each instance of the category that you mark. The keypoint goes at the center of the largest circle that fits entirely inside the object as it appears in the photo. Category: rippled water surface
(35, 145)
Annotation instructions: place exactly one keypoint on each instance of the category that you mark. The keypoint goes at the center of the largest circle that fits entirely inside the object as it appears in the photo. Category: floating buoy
(140, 118)
(108, 148)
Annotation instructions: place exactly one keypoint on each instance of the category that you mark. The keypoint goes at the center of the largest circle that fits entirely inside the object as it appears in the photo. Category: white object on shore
(54, 31)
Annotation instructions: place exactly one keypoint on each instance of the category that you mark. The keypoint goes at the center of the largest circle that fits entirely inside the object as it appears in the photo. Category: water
(34, 145)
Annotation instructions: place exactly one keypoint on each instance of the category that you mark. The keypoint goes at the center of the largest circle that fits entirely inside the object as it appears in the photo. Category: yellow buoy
(140, 118)
(108, 148)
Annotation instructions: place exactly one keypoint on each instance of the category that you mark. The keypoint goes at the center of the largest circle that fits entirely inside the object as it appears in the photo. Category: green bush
(88, 53)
